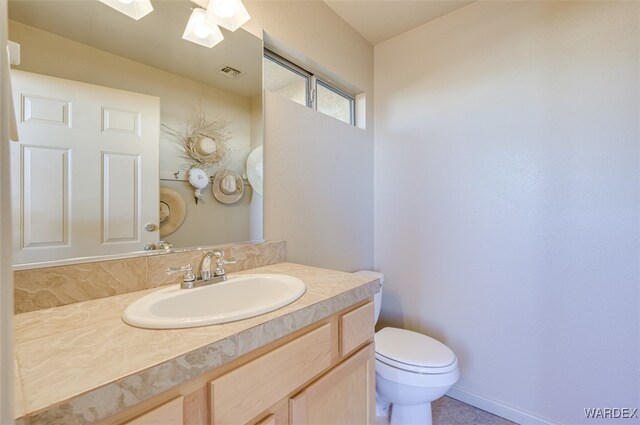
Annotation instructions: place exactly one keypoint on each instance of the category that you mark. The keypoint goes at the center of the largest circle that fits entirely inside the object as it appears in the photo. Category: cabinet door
(344, 396)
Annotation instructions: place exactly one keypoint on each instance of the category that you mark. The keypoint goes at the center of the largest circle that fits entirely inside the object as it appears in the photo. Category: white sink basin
(240, 297)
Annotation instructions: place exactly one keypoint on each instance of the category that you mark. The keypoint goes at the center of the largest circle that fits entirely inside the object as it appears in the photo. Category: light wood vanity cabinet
(168, 413)
(356, 327)
(344, 396)
(244, 393)
(269, 420)
(323, 374)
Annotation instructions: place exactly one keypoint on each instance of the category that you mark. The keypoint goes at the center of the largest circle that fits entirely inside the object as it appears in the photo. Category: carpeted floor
(449, 411)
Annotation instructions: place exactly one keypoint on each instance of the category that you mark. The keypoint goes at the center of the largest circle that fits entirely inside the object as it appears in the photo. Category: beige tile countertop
(80, 363)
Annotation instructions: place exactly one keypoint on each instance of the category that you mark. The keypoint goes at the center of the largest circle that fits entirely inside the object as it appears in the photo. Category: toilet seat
(413, 352)
(416, 369)
(416, 379)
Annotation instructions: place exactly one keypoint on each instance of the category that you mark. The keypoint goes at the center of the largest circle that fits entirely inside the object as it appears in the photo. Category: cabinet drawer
(356, 328)
(244, 393)
(168, 413)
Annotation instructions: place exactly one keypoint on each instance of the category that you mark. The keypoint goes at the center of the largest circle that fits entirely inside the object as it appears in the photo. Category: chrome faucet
(205, 266)
(219, 275)
(189, 279)
(164, 245)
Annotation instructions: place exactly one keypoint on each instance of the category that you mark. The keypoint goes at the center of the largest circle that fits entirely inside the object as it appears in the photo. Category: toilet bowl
(412, 370)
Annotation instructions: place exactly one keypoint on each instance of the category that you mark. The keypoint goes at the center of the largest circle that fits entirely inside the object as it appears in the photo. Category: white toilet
(412, 370)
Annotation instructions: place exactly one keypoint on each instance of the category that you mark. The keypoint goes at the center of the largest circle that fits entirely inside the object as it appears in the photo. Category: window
(299, 85)
(334, 103)
(286, 79)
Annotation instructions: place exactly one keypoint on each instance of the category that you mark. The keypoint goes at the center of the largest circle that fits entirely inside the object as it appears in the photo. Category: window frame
(311, 84)
(288, 65)
(351, 99)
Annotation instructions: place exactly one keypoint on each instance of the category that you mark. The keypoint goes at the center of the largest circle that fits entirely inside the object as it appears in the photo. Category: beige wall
(6, 275)
(318, 188)
(507, 204)
(318, 170)
(256, 202)
(46, 53)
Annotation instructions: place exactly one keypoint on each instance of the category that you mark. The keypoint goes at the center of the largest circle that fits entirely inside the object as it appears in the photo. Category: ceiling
(95, 24)
(380, 20)
(156, 40)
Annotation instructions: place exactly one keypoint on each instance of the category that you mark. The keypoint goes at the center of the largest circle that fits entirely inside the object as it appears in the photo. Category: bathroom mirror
(88, 42)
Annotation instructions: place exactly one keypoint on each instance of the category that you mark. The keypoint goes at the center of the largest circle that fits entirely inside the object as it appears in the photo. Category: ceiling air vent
(230, 72)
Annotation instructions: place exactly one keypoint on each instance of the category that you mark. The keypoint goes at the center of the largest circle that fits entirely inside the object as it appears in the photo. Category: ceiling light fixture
(136, 9)
(229, 14)
(202, 31)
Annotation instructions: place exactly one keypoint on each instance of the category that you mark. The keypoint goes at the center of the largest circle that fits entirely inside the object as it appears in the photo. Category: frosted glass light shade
(136, 9)
(202, 31)
(229, 14)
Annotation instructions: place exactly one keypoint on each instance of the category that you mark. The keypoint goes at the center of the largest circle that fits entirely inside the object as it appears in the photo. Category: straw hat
(173, 211)
(228, 186)
(205, 146)
(254, 170)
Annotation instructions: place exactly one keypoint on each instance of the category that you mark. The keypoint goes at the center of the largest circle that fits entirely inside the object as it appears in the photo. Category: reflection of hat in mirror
(173, 211)
(206, 146)
(228, 186)
(254, 170)
(165, 211)
(198, 178)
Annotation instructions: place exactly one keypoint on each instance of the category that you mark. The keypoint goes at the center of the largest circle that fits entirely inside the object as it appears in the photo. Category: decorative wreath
(204, 141)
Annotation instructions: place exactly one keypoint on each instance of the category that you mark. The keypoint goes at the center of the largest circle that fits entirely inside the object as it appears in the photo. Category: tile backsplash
(54, 286)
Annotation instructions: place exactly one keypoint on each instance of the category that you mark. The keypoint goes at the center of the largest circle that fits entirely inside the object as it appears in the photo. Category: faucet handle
(221, 262)
(188, 278)
(231, 260)
(174, 270)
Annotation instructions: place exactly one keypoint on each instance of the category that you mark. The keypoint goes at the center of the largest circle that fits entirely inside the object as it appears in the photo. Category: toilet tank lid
(413, 348)
(371, 274)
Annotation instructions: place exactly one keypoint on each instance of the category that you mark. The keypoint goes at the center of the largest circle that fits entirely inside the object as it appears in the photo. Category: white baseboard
(498, 408)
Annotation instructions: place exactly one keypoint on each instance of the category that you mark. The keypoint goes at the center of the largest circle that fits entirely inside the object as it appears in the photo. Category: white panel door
(45, 208)
(85, 173)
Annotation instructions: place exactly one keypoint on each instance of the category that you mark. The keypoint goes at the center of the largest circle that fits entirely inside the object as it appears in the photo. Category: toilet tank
(377, 298)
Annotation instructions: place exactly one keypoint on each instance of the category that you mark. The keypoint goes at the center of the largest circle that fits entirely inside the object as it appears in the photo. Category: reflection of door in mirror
(87, 41)
(84, 175)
